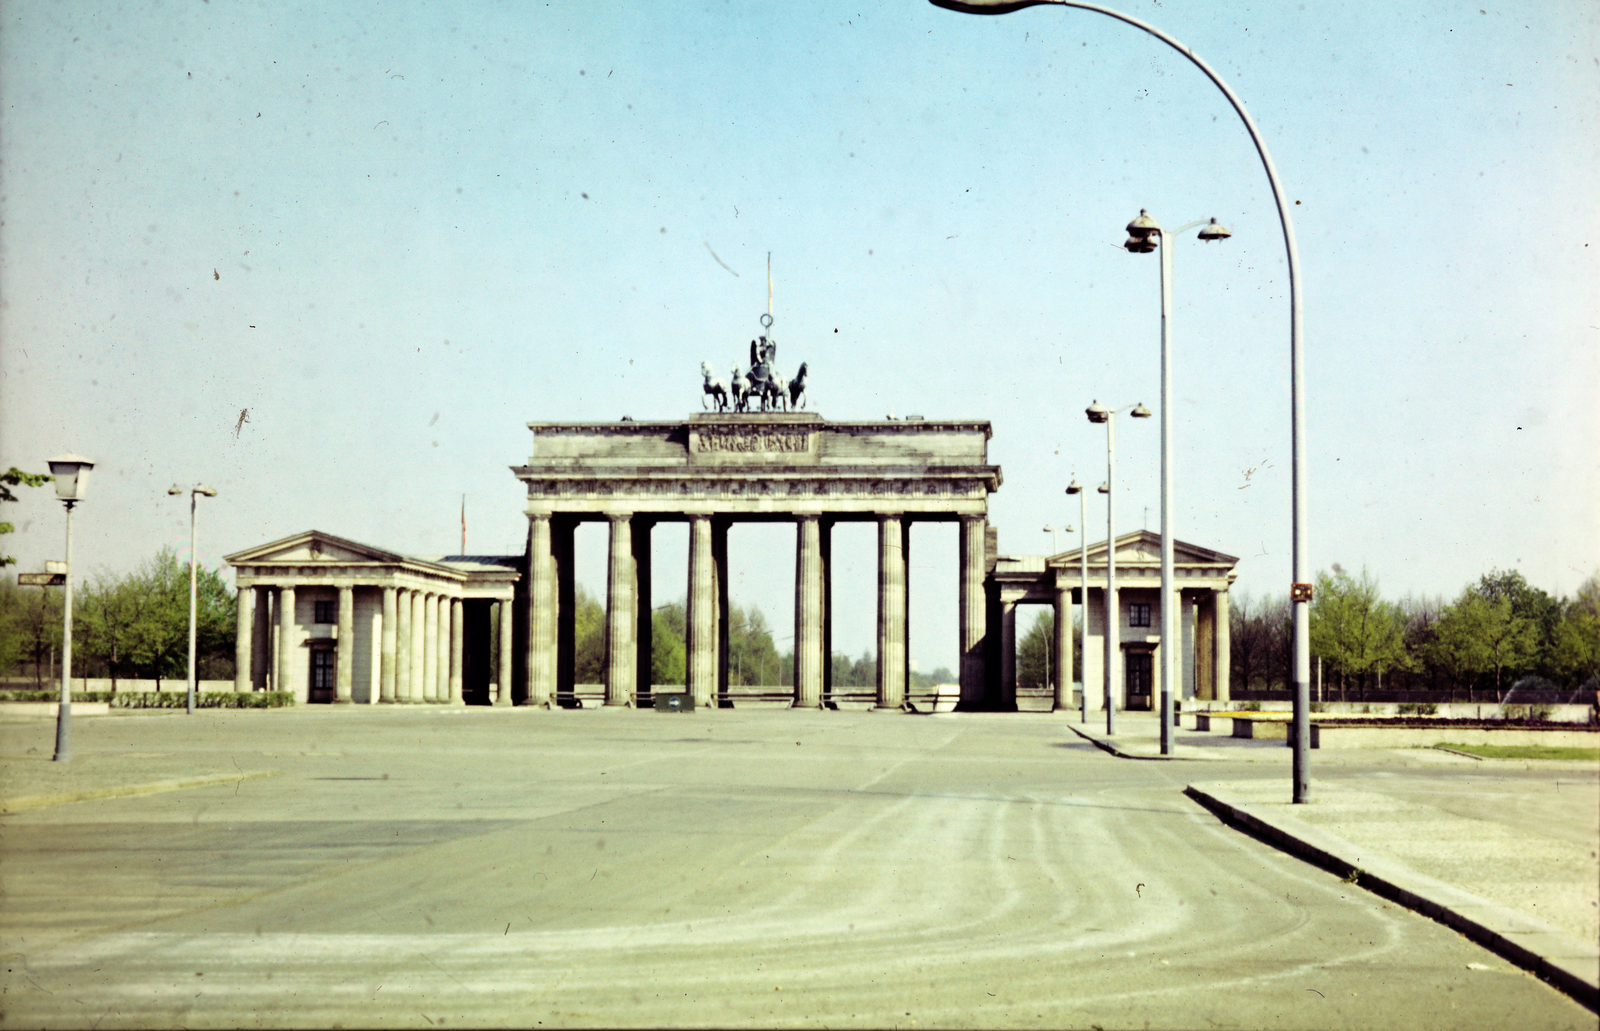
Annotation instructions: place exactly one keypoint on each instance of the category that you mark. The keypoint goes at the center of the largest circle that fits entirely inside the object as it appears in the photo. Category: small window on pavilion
(1138, 614)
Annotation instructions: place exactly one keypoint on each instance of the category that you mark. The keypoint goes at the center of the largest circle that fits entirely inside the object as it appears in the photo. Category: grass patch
(1525, 752)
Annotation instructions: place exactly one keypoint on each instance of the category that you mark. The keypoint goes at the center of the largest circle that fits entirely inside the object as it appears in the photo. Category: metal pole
(1083, 601)
(1169, 618)
(194, 499)
(1113, 616)
(1301, 730)
(64, 714)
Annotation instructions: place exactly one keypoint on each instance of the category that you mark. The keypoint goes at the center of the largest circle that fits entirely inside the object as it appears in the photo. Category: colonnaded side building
(332, 620)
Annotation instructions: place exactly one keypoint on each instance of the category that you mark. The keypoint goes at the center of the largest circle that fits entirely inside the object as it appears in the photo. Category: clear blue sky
(395, 233)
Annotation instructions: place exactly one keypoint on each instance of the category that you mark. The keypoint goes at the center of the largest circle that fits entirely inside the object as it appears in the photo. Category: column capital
(619, 517)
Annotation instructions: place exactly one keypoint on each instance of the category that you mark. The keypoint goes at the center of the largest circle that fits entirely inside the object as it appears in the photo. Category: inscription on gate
(752, 439)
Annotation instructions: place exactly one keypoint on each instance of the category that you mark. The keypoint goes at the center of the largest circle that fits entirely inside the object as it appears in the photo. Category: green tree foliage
(137, 625)
(1035, 652)
(589, 638)
(15, 477)
(668, 652)
(1353, 630)
(1575, 646)
(30, 627)
(752, 656)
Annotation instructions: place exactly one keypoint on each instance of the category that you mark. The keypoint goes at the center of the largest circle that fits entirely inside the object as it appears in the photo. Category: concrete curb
(1563, 960)
(14, 805)
(1107, 745)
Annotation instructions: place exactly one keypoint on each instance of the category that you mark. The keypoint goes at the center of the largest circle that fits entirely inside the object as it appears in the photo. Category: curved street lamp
(1145, 235)
(194, 495)
(1300, 587)
(1099, 413)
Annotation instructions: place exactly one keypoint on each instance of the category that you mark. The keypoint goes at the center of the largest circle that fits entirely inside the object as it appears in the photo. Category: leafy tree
(137, 625)
(15, 477)
(668, 653)
(1478, 634)
(1529, 603)
(1575, 652)
(30, 626)
(589, 638)
(752, 656)
(1035, 652)
(1353, 630)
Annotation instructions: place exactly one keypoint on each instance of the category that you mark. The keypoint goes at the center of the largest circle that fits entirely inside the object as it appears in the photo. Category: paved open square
(433, 867)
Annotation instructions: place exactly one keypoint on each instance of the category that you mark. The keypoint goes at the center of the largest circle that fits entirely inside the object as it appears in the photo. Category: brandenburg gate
(717, 469)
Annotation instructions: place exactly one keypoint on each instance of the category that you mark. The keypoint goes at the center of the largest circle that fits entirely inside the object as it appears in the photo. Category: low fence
(1554, 713)
(84, 685)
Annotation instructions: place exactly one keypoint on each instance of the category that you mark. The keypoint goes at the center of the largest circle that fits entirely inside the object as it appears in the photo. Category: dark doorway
(322, 674)
(1140, 669)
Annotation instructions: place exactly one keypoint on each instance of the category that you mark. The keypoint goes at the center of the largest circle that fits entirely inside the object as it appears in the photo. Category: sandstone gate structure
(713, 471)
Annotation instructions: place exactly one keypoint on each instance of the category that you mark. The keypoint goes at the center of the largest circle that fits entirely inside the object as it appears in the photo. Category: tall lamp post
(1099, 413)
(194, 496)
(1083, 595)
(71, 473)
(1300, 587)
(1144, 236)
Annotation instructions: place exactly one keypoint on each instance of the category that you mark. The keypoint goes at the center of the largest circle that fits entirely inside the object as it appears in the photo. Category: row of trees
(134, 626)
(1498, 632)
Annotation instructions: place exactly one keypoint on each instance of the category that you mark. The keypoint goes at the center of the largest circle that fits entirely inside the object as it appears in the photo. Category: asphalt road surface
(453, 868)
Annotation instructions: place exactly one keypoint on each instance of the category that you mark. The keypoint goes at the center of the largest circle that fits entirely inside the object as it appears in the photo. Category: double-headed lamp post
(1144, 236)
(194, 495)
(1300, 586)
(1083, 596)
(71, 474)
(1099, 413)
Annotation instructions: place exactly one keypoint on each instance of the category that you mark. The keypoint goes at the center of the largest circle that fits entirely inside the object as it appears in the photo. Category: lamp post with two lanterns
(1099, 413)
(71, 474)
(1145, 235)
(194, 496)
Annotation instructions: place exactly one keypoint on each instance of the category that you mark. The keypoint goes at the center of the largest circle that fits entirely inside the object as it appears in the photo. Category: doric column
(702, 615)
(345, 656)
(622, 613)
(891, 613)
(507, 629)
(419, 625)
(1008, 655)
(458, 647)
(1062, 646)
(643, 635)
(441, 655)
(1222, 646)
(244, 640)
(973, 610)
(541, 613)
(430, 647)
(402, 645)
(719, 580)
(386, 650)
(288, 678)
(808, 657)
(825, 532)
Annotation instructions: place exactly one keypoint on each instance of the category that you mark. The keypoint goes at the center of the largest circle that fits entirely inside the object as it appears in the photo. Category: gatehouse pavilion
(333, 620)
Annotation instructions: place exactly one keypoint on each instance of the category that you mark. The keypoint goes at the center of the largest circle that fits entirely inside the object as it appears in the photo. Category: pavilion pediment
(312, 546)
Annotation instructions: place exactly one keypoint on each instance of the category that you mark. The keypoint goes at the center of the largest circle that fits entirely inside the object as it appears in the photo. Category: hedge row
(163, 699)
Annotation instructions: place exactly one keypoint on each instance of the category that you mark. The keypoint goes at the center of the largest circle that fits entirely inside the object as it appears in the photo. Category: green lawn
(1525, 752)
